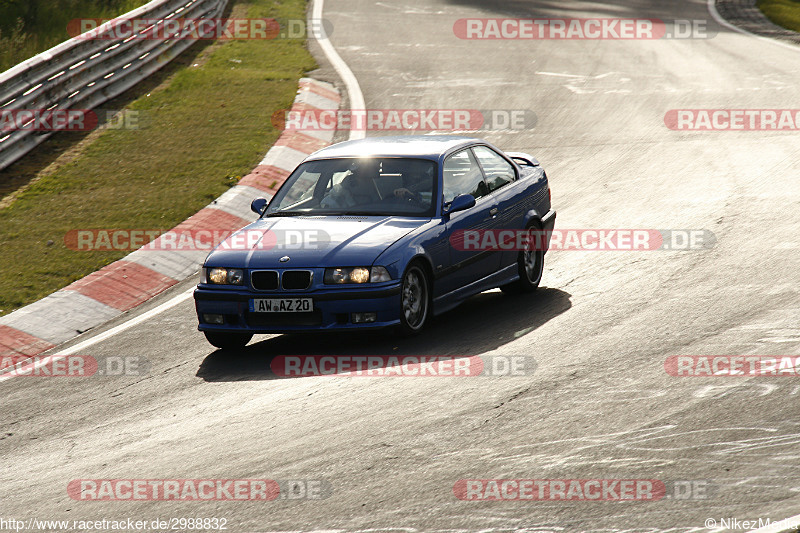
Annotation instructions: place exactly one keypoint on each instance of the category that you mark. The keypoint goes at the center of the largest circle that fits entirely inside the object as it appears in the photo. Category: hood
(312, 241)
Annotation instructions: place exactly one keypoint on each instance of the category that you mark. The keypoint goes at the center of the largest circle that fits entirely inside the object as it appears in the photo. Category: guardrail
(82, 73)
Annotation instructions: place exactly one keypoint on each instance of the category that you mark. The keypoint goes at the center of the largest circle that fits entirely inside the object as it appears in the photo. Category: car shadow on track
(482, 324)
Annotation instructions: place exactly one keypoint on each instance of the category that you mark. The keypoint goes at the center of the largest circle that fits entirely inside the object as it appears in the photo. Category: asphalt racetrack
(599, 406)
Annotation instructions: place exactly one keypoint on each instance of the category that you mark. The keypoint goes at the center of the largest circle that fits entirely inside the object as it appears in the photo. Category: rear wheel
(228, 341)
(530, 265)
(414, 300)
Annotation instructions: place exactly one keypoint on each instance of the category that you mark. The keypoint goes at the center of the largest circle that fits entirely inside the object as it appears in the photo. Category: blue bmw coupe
(371, 234)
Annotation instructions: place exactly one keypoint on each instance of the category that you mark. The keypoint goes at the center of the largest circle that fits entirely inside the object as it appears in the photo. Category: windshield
(374, 186)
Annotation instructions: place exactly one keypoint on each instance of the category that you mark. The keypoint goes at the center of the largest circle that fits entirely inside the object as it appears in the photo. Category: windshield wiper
(286, 213)
(327, 213)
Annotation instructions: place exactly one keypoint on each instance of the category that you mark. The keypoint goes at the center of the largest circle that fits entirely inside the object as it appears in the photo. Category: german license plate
(281, 305)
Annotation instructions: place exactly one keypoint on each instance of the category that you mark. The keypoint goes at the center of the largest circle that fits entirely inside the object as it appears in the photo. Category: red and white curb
(129, 282)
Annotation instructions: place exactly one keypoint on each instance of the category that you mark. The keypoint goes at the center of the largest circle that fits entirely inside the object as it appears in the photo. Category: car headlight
(342, 275)
(225, 276)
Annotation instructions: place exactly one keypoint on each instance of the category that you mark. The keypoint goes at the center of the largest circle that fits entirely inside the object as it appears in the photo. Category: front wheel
(228, 341)
(414, 301)
(530, 265)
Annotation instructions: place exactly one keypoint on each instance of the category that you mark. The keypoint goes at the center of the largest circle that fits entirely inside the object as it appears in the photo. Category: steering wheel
(415, 199)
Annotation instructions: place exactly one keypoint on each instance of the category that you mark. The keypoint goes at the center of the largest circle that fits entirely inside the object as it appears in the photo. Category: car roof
(426, 146)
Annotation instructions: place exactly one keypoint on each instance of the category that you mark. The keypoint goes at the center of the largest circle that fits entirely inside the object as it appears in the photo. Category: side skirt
(448, 301)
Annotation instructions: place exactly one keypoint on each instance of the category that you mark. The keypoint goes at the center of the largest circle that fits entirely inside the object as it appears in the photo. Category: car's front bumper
(332, 309)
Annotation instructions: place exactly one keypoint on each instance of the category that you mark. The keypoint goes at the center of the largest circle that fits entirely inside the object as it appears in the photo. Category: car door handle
(493, 211)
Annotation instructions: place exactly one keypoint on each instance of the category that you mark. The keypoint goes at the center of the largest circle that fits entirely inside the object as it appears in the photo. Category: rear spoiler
(523, 159)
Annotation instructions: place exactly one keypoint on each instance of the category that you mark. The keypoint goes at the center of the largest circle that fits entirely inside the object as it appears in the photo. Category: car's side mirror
(258, 205)
(460, 203)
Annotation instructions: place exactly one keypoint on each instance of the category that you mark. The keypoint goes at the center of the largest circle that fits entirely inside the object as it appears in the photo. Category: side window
(462, 175)
(499, 172)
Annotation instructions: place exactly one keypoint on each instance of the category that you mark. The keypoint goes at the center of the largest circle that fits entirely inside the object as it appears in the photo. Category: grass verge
(784, 13)
(204, 127)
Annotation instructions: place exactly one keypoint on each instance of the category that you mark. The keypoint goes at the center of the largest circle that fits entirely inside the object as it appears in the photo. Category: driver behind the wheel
(357, 188)
(417, 179)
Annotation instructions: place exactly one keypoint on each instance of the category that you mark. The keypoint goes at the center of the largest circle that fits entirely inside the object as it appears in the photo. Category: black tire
(415, 300)
(228, 341)
(530, 266)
